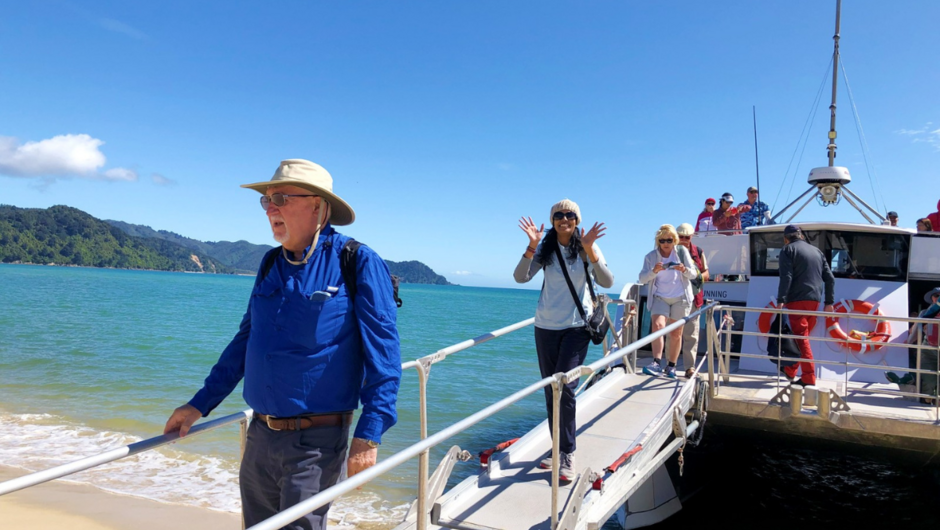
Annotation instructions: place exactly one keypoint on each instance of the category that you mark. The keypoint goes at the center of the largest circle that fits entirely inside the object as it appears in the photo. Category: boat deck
(859, 416)
(613, 416)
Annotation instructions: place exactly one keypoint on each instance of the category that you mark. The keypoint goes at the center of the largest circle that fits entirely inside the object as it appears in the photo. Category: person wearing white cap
(567, 257)
(319, 336)
(691, 329)
(727, 219)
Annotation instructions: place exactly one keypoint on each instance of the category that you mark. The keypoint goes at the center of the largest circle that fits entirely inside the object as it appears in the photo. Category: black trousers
(560, 350)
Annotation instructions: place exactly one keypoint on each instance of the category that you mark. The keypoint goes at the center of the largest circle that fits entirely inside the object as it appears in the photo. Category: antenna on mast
(835, 80)
(760, 218)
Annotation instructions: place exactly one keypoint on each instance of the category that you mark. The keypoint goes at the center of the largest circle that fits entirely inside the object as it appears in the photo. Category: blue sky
(444, 122)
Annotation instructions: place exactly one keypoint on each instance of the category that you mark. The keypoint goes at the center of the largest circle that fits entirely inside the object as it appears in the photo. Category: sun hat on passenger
(933, 292)
(727, 197)
(565, 204)
(313, 178)
(685, 229)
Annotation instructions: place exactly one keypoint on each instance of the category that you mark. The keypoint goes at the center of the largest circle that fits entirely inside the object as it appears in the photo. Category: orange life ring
(765, 319)
(859, 341)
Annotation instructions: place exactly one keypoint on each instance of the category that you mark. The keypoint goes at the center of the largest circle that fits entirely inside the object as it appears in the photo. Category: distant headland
(62, 235)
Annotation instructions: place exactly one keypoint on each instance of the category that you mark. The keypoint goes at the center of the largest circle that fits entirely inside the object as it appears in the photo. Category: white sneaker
(566, 468)
(546, 463)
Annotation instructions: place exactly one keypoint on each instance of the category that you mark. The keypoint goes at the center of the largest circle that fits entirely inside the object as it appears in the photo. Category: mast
(835, 80)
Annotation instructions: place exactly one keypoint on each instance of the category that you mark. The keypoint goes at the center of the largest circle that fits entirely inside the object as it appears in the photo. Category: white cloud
(67, 155)
(120, 173)
(463, 273)
(160, 180)
(119, 27)
(923, 135)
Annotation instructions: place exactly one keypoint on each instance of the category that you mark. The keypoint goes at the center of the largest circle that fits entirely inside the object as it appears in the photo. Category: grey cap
(935, 290)
(892, 214)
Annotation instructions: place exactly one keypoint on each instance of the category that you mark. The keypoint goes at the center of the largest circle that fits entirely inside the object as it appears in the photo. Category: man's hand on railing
(362, 456)
(828, 308)
(182, 419)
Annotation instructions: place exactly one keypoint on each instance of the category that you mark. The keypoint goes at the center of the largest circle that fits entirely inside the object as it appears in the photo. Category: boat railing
(719, 341)
(618, 333)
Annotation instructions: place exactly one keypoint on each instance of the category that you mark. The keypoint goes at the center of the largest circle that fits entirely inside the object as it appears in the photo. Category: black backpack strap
(347, 263)
(266, 265)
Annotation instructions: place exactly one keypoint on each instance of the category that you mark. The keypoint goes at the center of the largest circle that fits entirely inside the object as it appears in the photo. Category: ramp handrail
(723, 353)
(420, 449)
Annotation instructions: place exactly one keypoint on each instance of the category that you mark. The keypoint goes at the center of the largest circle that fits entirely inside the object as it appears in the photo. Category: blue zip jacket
(306, 356)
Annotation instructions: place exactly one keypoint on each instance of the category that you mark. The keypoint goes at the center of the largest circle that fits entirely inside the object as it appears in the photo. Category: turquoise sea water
(92, 359)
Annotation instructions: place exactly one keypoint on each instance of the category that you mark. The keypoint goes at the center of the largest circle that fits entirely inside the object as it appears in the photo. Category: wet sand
(57, 505)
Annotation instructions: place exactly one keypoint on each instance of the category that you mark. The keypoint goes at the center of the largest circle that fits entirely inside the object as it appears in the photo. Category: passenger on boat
(691, 329)
(561, 340)
(935, 218)
(309, 350)
(805, 278)
(758, 212)
(928, 356)
(892, 218)
(726, 218)
(704, 222)
(668, 270)
(924, 225)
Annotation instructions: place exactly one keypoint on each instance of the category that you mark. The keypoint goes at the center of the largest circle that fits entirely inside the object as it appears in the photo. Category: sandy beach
(57, 505)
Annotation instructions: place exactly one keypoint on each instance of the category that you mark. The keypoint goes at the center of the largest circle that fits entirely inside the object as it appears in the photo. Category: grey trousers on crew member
(283, 468)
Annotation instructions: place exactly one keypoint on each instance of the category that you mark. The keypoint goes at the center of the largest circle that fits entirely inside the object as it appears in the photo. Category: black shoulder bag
(598, 325)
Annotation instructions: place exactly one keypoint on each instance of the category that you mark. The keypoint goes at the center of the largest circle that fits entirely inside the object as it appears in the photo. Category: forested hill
(242, 256)
(245, 257)
(63, 235)
(415, 272)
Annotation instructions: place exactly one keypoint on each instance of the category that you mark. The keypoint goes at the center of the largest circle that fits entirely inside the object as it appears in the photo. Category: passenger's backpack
(347, 263)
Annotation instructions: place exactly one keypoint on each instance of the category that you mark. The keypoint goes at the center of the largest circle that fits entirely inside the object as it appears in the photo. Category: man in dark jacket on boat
(311, 346)
(804, 273)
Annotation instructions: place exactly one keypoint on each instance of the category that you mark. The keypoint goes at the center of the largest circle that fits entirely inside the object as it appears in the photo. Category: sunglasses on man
(278, 199)
(558, 216)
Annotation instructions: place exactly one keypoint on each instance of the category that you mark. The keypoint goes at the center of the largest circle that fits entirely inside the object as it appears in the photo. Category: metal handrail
(557, 380)
(724, 372)
(116, 454)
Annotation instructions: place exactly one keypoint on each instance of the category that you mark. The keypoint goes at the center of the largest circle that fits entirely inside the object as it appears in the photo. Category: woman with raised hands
(561, 340)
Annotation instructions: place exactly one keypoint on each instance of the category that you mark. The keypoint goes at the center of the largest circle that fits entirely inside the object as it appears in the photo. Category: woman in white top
(561, 340)
(668, 270)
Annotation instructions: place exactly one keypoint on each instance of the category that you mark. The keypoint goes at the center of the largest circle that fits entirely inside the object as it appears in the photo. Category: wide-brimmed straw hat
(313, 178)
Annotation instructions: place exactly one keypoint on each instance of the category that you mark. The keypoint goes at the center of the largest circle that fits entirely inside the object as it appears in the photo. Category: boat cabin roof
(845, 227)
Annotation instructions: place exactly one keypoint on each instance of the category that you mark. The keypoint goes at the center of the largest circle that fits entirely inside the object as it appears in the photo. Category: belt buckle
(268, 420)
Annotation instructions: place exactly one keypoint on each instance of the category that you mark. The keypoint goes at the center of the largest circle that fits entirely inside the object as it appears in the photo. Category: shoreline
(57, 504)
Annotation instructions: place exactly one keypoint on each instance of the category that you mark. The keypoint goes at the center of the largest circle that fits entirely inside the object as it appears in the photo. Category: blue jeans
(283, 468)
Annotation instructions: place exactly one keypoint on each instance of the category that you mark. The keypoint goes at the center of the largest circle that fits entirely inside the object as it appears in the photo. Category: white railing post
(424, 455)
(557, 386)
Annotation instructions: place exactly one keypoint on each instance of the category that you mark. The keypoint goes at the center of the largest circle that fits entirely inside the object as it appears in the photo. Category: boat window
(766, 247)
(867, 256)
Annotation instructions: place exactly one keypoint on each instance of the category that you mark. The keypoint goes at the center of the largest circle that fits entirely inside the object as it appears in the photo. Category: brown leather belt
(297, 423)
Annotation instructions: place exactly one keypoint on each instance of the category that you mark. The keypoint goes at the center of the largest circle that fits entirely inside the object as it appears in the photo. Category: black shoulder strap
(347, 263)
(266, 265)
(574, 294)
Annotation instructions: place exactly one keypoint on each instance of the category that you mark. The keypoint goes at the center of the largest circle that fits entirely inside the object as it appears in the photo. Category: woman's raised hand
(596, 232)
(535, 234)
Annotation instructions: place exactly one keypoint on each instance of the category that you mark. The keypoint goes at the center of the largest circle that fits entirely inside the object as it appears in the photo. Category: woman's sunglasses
(558, 216)
(664, 241)
(277, 199)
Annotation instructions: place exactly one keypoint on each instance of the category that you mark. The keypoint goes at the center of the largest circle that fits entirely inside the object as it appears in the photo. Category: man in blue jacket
(309, 351)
